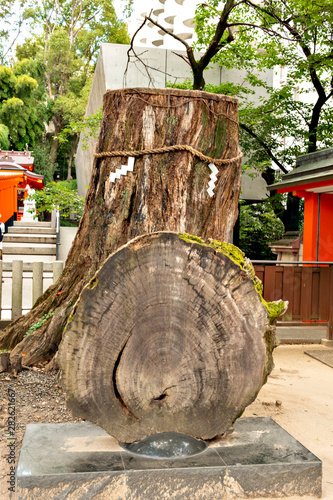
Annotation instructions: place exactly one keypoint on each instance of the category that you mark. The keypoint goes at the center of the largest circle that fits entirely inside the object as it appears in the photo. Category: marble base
(72, 461)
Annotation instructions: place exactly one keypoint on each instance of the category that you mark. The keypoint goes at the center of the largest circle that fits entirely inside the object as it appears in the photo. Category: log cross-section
(170, 335)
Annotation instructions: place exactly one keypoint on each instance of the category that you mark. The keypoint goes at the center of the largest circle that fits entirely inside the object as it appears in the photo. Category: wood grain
(168, 336)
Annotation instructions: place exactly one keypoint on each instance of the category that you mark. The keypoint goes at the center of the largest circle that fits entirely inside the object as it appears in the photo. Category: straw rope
(167, 149)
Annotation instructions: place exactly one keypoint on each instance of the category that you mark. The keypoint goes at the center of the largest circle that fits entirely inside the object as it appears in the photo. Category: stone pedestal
(80, 460)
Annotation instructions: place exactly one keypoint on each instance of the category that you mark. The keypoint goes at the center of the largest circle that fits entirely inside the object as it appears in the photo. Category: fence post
(0, 287)
(17, 288)
(37, 281)
(58, 267)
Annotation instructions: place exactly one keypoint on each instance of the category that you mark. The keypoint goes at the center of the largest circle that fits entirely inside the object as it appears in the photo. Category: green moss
(191, 239)
(172, 120)
(274, 309)
(238, 416)
(124, 202)
(205, 118)
(39, 323)
(201, 173)
(161, 168)
(92, 283)
(220, 138)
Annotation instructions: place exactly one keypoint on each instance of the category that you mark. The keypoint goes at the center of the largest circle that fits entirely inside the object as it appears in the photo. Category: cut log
(170, 335)
(166, 191)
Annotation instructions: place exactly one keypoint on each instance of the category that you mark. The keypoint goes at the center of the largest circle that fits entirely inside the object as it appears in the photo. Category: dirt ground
(298, 396)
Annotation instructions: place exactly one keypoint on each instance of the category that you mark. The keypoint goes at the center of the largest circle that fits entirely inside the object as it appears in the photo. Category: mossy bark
(164, 192)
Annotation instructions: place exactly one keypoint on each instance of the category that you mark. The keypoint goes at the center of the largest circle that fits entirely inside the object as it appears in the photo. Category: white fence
(22, 283)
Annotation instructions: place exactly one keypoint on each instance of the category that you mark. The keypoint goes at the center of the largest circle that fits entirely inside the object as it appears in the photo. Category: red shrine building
(312, 179)
(16, 173)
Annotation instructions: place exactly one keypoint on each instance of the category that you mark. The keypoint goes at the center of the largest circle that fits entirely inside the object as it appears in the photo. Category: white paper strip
(213, 179)
(123, 170)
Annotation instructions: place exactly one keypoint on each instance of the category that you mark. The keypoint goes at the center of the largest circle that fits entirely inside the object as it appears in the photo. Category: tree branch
(264, 146)
(213, 47)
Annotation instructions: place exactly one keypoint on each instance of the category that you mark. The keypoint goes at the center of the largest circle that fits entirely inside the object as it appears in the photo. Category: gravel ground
(38, 399)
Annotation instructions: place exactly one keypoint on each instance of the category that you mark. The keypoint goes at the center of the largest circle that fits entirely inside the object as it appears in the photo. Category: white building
(175, 15)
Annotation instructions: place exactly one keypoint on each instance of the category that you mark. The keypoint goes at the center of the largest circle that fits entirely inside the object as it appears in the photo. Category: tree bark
(54, 150)
(71, 156)
(169, 335)
(165, 192)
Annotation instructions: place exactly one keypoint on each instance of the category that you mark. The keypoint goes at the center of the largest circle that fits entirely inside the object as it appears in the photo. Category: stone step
(19, 239)
(7, 258)
(36, 249)
(31, 224)
(31, 230)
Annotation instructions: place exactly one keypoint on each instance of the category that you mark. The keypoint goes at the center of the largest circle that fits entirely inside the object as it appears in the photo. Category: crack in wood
(115, 388)
(162, 396)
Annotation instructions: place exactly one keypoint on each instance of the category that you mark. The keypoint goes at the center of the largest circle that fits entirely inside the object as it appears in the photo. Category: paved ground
(299, 396)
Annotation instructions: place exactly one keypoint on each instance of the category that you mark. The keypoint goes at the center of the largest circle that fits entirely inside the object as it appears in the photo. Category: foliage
(88, 126)
(13, 16)
(60, 196)
(42, 164)
(4, 137)
(293, 117)
(20, 112)
(60, 53)
(258, 226)
(295, 35)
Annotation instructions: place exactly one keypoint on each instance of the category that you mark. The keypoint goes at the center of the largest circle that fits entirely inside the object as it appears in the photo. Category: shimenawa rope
(167, 149)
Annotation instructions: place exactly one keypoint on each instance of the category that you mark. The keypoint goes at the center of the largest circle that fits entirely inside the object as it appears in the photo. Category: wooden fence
(309, 291)
(22, 283)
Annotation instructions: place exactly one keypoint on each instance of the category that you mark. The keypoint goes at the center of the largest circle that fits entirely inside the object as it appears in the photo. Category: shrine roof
(22, 158)
(310, 168)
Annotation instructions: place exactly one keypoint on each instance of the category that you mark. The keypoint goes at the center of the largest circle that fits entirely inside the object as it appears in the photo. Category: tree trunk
(166, 192)
(54, 150)
(70, 160)
(169, 335)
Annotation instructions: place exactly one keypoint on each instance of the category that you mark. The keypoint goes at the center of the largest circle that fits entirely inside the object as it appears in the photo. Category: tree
(60, 196)
(61, 58)
(72, 33)
(18, 109)
(258, 226)
(4, 137)
(259, 36)
(13, 15)
(297, 117)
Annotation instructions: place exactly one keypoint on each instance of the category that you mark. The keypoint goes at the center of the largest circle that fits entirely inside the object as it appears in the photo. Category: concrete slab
(80, 460)
(31, 230)
(18, 239)
(324, 355)
(67, 235)
(301, 334)
(31, 224)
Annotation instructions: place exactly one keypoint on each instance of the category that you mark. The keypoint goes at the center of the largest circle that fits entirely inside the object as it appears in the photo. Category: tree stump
(170, 335)
(166, 191)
